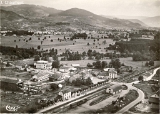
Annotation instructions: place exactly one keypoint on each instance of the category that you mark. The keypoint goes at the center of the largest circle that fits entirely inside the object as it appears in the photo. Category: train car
(73, 105)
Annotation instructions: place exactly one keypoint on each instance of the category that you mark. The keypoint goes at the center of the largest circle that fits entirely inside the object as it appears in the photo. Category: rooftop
(42, 62)
(66, 91)
(116, 87)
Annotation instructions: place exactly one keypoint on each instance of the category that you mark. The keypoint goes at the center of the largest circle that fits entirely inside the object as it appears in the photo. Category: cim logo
(12, 108)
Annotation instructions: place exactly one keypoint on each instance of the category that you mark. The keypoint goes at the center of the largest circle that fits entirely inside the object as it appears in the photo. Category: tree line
(19, 32)
(21, 53)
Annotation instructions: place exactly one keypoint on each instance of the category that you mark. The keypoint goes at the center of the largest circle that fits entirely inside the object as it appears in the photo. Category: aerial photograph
(80, 56)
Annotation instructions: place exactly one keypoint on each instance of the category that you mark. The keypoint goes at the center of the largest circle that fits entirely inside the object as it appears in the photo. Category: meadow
(79, 45)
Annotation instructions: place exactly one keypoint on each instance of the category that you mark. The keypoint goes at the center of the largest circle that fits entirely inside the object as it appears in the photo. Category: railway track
(62, 107)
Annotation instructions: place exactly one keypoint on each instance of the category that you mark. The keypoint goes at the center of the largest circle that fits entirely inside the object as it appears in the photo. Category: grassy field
(127, 61)
(145, 88)
(79, 44)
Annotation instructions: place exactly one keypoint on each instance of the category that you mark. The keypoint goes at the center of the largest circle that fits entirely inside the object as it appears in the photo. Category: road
(140, 92)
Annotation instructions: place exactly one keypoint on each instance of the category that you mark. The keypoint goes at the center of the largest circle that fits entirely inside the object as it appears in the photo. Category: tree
(115, 63)
(36, 58)
(54, 86)
(78, 82)
(89, 65)
(98, 64)
(146, 64)
(104, 64)
(7, 65)
(88, 44)
(38, 47)
(151, 63)
(16, 46)
(89, 81)
(98, 57)
(140, 78)
(55, 64)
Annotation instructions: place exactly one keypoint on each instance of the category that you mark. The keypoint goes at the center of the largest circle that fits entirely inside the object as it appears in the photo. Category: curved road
(140, 92)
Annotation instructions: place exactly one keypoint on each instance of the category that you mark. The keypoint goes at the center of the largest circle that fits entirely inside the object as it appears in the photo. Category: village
(46, 80)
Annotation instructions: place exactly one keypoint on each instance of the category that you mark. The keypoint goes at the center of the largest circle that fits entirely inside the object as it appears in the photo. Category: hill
(138, 21)
(10, 16)
(11, 20)
(31, 11)
(79, 15)
(39, 17)
(152, 21)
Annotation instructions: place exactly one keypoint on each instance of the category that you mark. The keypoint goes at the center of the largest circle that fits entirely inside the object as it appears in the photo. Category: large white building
(108, 73)
(66, 69)
(43, 65)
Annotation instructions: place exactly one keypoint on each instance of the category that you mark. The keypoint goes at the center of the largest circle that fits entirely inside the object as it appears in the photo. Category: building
(108, 73)
(66, 94)
(74, 93)
(114, 89)
(56, 77)
(42, 76)
(66, 69)
(154, 101)
(75, 65)
(43, 65)
(112, 74)
(10, 85)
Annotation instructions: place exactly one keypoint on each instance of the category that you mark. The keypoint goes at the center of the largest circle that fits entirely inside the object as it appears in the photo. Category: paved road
(141, 94)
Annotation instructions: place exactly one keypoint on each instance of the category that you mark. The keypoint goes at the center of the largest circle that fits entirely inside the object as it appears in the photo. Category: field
(79, 44)
(127, 61)
(145, 88)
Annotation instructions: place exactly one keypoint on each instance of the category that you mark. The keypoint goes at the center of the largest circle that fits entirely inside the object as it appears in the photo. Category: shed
(114, 89)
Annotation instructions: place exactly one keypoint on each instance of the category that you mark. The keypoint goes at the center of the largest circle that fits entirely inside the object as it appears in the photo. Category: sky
(100, 7)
